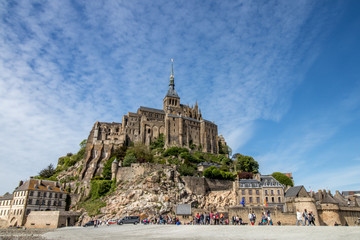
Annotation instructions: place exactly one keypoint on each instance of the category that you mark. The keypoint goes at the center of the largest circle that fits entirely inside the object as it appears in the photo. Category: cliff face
(154, 189)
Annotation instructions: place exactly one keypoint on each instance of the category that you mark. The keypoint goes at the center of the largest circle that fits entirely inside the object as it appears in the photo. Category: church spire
(172, 82)
(171, 92)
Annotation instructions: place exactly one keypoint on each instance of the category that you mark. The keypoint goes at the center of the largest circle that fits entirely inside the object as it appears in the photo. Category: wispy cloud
(66, 64)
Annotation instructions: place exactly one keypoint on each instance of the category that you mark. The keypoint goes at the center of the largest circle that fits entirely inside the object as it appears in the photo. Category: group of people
(265, 218)
(209, 219)
(161, 220)
(308, 216)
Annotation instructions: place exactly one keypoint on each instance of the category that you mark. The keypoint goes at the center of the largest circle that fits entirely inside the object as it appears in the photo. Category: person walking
(311, 219)
(299, 218)
(306, 216)
(251, 218)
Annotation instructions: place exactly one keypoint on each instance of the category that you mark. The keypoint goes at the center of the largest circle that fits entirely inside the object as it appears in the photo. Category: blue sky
(280, 78)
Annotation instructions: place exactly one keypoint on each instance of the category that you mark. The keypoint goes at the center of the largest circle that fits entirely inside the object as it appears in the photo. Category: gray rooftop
(152, 110)
(183, 209)
(293, 191)
(6, 197)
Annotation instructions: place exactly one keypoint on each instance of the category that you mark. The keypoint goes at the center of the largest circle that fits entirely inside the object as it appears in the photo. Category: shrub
(186, 170)
(174, 151)
(99, 188)
(129, 159)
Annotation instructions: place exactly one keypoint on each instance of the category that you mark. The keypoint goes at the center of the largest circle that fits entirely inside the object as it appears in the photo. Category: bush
(215, 173)
(129, 159)
(99, 188)
(141, 152)
(107, 168)
(186, 170)
(174, 151)
(92, 207)
(159, 143)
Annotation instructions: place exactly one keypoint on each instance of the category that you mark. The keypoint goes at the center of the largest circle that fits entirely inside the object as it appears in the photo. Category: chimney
(21, 183)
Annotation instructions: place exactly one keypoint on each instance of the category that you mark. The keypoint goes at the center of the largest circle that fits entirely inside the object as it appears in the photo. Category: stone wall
(201, 186)
(51, 219)
(275, 213)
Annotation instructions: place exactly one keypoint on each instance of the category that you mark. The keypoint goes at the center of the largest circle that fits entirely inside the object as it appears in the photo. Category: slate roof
(34, 184)
(6, 197)
(152, 110)
(293, 191)
(172, 93)
(208, 164)
(183, 209)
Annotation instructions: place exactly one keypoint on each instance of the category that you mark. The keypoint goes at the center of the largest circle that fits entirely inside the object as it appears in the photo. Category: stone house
(254, 192)
(33, 195)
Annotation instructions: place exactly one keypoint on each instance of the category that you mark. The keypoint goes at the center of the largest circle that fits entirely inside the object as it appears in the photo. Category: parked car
(89, 223)
(112, 221)
(129, 219)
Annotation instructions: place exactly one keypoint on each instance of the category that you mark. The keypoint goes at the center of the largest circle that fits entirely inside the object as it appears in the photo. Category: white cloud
(65, 65)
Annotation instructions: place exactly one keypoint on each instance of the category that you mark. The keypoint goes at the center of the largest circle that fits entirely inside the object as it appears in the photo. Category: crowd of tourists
(309, 218)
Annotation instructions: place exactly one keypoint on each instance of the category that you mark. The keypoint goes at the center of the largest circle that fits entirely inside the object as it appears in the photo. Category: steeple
(171, 92)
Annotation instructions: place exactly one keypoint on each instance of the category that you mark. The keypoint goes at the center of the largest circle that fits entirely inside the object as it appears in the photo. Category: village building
(32, 196)
(260, 191)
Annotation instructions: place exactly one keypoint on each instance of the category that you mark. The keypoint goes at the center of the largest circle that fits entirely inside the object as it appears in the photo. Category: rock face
(155, 189)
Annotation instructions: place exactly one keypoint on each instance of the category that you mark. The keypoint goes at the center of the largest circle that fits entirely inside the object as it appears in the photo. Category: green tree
(47, 172)
(283, 179)
(141, 152)
(247, 164)
(129, 159)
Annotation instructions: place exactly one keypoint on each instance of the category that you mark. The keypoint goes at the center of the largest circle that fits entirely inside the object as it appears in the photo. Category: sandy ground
(21, 234)
(204, 232)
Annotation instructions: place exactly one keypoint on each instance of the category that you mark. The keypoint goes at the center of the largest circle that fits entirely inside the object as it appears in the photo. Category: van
(129, 219)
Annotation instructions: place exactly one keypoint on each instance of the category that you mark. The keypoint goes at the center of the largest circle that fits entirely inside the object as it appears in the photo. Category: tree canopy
(283, 179)
(47, 172)
(247, 164)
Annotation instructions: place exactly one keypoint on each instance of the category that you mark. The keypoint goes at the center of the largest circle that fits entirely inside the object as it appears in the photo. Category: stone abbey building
(182, 126)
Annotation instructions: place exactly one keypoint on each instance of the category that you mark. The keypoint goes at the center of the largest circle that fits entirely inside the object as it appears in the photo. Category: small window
(266, 193)
(257, 199)
(272, 192)
(257, 192)
(279, 199)
(250, 199)
(272, 199)
(278, 192)
(250, 192)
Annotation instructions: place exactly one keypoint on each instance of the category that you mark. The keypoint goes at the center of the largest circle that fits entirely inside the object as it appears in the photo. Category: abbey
(182, 126)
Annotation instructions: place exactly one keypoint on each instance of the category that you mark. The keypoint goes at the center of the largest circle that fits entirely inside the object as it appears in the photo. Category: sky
(281, 79)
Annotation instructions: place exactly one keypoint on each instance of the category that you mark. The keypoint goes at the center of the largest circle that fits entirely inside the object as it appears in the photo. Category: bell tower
(172, 99)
